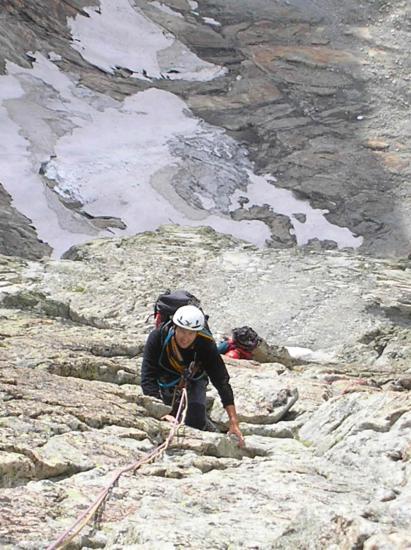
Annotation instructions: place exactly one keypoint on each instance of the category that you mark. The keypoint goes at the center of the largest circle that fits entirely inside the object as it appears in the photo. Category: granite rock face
(327, 456)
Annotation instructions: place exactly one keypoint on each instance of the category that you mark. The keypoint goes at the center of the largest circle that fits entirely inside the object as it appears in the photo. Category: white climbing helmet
(189, 317)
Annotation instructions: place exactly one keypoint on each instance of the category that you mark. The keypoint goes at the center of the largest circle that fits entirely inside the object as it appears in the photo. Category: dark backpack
(246, 338)
(168, 303)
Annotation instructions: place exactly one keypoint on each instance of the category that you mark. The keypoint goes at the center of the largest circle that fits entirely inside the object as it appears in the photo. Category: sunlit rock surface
(327, 456)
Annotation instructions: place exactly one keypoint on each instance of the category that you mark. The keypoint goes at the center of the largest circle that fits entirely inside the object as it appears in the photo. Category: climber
(183, 349)
(241, 345)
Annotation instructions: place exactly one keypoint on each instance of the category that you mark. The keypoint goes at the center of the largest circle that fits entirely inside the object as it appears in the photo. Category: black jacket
(206, 354)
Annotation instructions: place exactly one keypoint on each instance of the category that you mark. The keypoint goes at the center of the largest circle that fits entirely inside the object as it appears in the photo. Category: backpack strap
(166, 333)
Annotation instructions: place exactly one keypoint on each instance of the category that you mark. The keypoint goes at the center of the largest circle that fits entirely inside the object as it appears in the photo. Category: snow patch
(166, 9)
(53, 56)
(10, 89)
(118, 35)
(262, 191)
(211, 21)
(307, 354)
(108, 163)
(19, 175)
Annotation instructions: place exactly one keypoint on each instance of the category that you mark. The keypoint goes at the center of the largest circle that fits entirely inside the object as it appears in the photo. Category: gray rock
(327, 445)
(18, 237)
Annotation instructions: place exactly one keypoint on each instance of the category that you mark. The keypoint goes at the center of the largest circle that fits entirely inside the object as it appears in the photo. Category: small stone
(386, 495)
(405, 382)
(395, 455)
(301, 217)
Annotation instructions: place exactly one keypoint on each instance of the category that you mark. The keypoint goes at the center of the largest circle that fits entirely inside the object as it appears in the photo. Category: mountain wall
(256, 154)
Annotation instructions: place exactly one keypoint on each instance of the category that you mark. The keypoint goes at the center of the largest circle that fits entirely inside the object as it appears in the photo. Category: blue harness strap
(169, 384)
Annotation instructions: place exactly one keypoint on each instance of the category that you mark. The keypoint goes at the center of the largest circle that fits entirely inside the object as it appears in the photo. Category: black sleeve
(215, 368)
(150, 367)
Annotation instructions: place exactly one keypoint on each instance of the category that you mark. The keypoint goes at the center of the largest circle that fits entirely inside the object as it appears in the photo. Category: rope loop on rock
(95, 508)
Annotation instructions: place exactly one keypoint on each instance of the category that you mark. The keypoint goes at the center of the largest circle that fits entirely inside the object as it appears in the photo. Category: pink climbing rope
(88, 514)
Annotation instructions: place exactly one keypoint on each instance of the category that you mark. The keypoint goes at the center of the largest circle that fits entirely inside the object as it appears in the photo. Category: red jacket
(236, 352)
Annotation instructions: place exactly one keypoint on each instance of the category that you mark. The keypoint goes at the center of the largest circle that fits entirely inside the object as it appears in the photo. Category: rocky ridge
(327, 456)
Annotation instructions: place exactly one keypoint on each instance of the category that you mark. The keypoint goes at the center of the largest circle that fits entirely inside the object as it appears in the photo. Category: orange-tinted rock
(395, 163)
(258, 92)
(377, 144)
(314, 56)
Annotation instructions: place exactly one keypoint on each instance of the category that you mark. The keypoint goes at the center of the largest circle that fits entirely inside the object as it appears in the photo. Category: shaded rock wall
(17, 236)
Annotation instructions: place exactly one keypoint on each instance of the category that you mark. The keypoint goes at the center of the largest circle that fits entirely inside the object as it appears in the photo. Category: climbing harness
(188, 376)
(95, 508)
